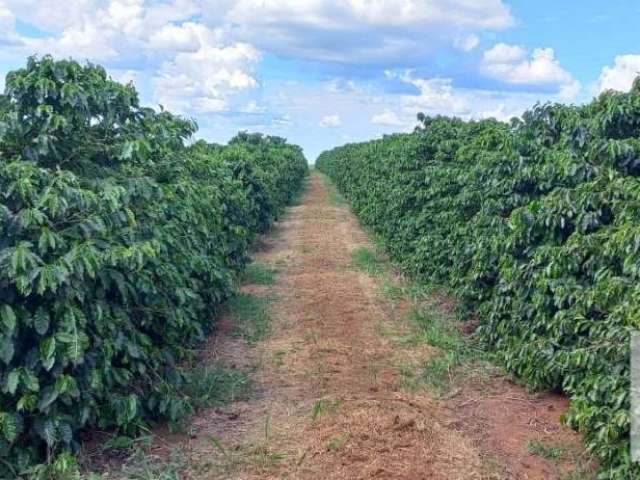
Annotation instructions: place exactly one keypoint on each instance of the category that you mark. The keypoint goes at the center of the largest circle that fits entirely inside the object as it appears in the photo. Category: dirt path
(329, 400)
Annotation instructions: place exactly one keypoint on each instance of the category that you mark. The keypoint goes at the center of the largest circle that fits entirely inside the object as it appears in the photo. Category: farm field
(533, 227)
(319, 239)
(500, 249)
(339, 386)
(120, 241)
(136, 326)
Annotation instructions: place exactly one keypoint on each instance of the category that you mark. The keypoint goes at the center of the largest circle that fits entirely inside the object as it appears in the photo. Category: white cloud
(125, 15)
(439, 96)
(253, 107)
(192, 67)
(466, 43)
(328, 14)
(620, 76)
(7, 19)
(386, 118)
(330, 121)
(135, 17)
(501, 53)
(362, 31)
(570, 91)
(52, 15)
(8, 35)
(283, 121)
(436, 95)
(512, 64)
(307, 103)
(125, 76)
(202, 58)
(84, 41)
(500, 112)
(106, 30)
(204, 80)
(184, 38)
(86, 29)
(340, 85)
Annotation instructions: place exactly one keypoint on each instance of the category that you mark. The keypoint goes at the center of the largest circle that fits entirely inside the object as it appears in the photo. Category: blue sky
(326, 72)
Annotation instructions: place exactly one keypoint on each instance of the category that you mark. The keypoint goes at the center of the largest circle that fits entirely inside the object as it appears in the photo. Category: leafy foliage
(536, 224)
(117, 245)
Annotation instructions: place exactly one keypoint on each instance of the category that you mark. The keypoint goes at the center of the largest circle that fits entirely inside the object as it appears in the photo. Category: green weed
(267, 459)
(391, 290)
(300, 193)
(368, 261)
(213, 385)
(278, 357)
(457, 359)
(308, 248)
(252, 316)
(408, 378)
(141, 465)
(544, 450)
(259, 274)
(581, 466)
(338, 442)
(259, 455)
(335, 197)
(324, 406)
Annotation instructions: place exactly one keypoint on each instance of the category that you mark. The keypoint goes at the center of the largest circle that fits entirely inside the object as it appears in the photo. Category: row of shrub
(535, 225)
(119, 239)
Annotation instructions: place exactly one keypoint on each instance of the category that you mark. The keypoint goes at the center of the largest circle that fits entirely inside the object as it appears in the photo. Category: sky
(327, 72)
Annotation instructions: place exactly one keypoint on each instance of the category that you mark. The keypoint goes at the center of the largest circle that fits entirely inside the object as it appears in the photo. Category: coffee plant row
(118, 244)
(535, 225)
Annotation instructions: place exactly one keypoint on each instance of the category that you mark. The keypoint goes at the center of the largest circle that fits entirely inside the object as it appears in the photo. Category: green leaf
(47, 397)
(131, 407)
(127, 151)
(48, 432)
(41, 321)
(47, 352)
(30, 381)
(65, 384)
(6, 349)
(13, 379)
(8, 318)
(27, 403)
(66, 433)
(133, 350)
(9, 427)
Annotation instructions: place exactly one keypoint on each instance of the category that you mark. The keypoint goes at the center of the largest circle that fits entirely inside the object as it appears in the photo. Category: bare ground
(329, 401)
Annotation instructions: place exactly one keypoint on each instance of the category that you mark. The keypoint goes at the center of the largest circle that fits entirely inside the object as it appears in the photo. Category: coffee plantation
(119, 240)
(535, 225)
